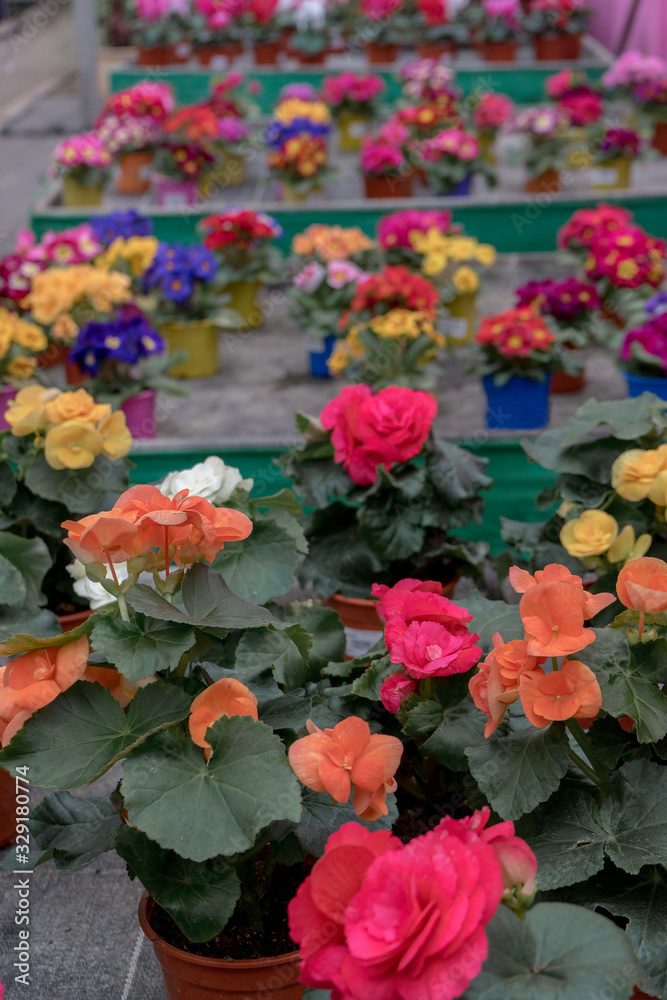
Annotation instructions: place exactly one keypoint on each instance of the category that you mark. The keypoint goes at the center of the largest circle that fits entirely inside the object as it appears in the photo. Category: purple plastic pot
(7, 393)
(172, 194)
(139, 413)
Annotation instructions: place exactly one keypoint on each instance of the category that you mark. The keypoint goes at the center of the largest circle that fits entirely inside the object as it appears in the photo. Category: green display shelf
(516, 480)
(512, 224)
(523, 83)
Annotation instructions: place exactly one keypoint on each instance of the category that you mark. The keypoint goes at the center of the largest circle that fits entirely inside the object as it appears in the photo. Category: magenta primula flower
(342, 272)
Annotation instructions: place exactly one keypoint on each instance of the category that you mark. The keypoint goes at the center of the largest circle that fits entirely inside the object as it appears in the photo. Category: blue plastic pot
(463, 187)
(318, 359)
(637, 384)
(522, 404)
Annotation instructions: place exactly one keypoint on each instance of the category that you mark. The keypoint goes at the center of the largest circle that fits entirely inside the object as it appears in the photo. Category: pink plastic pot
(173, 194)
(139, 413)
(7, 393)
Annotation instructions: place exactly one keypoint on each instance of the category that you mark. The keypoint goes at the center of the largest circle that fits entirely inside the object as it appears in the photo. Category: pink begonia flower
(395, 690)
(517, 861)
(409, 584)
(378, 920)
(420, 604)
(429, 649)
(310, 277)
(371, 430)
(342, 272)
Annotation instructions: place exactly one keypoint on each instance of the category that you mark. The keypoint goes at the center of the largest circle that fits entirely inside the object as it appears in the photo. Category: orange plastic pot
(660, 138)
(562, 383)
(499, 51)
(54, 354)
(388, 187)
(266, 53)
(433, 50)
(312, 58)
(546, 183)
(356, 612)
(73, 374)
(379, 53)
(7, 809)
(571, 47)
(134, 176)
(68, 622)
(213, 55)
(193, 977)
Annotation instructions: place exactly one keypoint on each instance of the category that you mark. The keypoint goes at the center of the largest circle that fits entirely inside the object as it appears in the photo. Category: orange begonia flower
(572, 692)
(553, 617)
(106, 537)
(496, 686)
(346, 757)
(226, 697)
(522, 581)
(34, 679)
(642, 585)
(116, 684)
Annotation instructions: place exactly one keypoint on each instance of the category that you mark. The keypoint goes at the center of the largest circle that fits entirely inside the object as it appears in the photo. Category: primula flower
(429, 649)
(634, 471)
(348, 757)
(492, 111)
(310, 277)
(582, 108)
(343, 272)
(395, 230)
(395, 690)
(381, 157)
(496, 685)
(572, 692)
(379, 919)
(642, 585)
(34, 679)
(120, 225)
(226, 697)
(330, 243)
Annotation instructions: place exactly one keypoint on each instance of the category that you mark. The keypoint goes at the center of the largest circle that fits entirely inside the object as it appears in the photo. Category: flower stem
(597, 771)
(583, 766)
(554, 662)
(166, 551)
(641, 624)
(122, 607)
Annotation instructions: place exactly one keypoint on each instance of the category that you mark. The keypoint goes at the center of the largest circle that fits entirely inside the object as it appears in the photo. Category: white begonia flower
(211, 479)
(93, 592)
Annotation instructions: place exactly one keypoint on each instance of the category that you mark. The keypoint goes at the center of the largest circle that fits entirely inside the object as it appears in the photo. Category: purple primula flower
(107, 228)
(657, 305)
(126, 340)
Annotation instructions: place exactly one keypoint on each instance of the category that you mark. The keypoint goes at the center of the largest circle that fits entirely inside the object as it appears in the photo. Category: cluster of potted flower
(296, 138)
(450, 161)
(390, 337)
(159, 29)
(491, 112)
(216, 32)
(83, 163)
(518, 352)
(643, 353)
(557, 27)
(385, 163)
(241, 239)
(642, 81)
(352, 98)
(130, 125)
(544, 129)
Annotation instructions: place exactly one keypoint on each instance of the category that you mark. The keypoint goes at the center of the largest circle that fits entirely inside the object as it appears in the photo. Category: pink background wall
(650, 31)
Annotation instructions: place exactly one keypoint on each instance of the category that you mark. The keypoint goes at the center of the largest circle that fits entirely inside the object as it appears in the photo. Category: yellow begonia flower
(565, 508)
(591, 534)
(466, 280)
(633, 472)
(26, 413)
(29, 335)
(627, 547)
(21, 367)
(658, 490)
(117, 439)
(72, 445)
(76, 405)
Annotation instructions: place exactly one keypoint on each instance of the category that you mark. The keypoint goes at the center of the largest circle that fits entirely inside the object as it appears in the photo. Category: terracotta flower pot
(286, 36)
(156, 55)
(54, 354)
(379, 53)
(571, 47)
(433, 50)
(7, 808)
(388, 187)
(546, 183)
(499, 51)
(562, 383)
(660, 138)
(134, 176)
(217, 56)
(312, 58)
(266, 53)
(73, 374)
(356, 612)
(68, 622)
(193, 977)
(549, 48)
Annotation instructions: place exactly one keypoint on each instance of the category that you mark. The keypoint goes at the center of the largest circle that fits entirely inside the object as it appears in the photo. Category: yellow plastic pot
(487, 142)
(229, 171)
(352, 130)
(199, 337)
(579, 156)
(461, 323)
(294, 197)
(244, 301)
(612, 176)
(77, 195)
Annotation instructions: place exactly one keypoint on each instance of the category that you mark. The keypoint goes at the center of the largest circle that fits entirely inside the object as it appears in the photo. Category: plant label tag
(183, 50)
(174, 199)
(454, 327)
(218, 62)
(604, 175)
(358, 641)
(357, 130)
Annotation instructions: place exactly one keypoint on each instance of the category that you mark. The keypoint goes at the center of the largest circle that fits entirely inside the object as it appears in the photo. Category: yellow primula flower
(29, 335)
(339, 359)
(398, 323)
(465, 280)
(26, 413)
(486, 254)
(137, 251)
(627, 547)
(590, 534)
(462, 247)
(633, 472)
(72, 445)
(5, 341)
